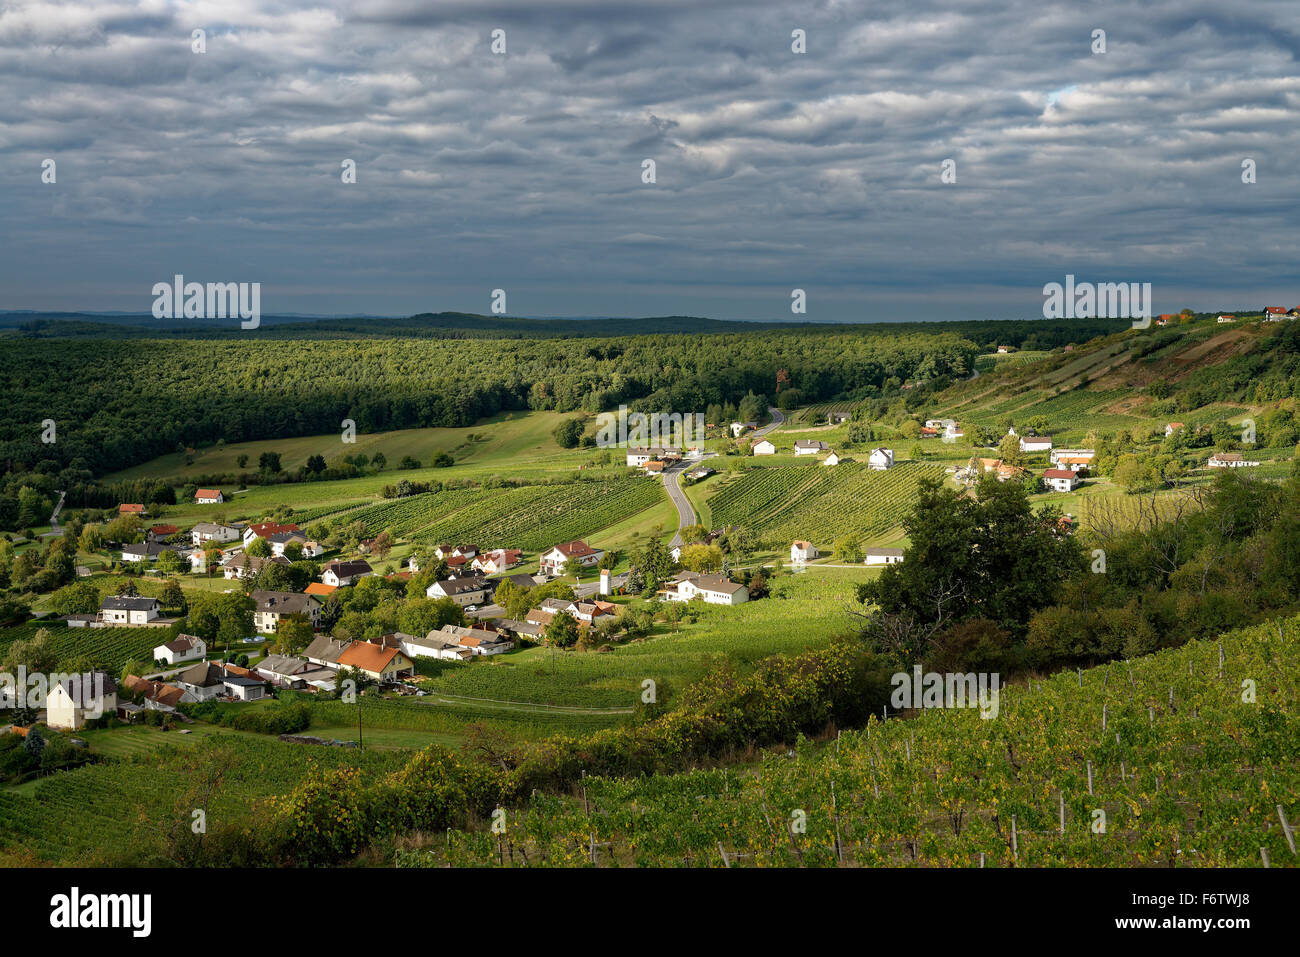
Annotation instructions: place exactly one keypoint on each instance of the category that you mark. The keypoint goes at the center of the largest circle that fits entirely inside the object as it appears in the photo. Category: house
(283, 671)
(184, 648)
(714, 589)
(240, 565)
(377, 661)
(809, 447)
(1035, 443)
(274, 605)
(447, 553)
(737, 428)
(471, 590)
(324, 651)
(241, 683)
(202, 681)
(498, 560)
(1166, 318)
(566, 558)
(802, 551)
(80, 698)
(1173, 427)
(837, 418)
(320, 590)
(1275, 313)
(1075, 463)
(929, 433)
(208, 496)
(938, 425)
(880, 459)
(1226, 317)
(1060, 480)
(702, 472)
(340, 574)
(205, 532)
(157, 696)
(282, 540)
(1229, 460)
(149, 552)
(953, 431)
(130, 611)
(883, 556)
(478, 641)
(158, 532)
(1007, 472)
(1072, 457)
(832, 459)
(266, 529)
(638, 456)
(131, 509)
(764, 447)
(1003, 350)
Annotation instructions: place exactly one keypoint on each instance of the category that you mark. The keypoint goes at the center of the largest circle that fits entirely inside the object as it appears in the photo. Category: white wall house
(79, 698)
(184, 648)
(208, 496)
(883, 556)
(881, 459)
(764, 447)
(129, 610)
(1229, 460)
(1061, 480)
(809, 447)
(1035, 443)
(1057, 454)
(570, 557)
(802, 551)
(340, 574)
(205, 532)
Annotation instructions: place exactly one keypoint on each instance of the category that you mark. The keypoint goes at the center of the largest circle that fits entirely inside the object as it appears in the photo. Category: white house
(883, 556)
(205, 532)
(832, 459)
(498, 560)
(78, 698)
(340, 574)
(184, 648)
(939, 424)
(953, 431)
(809, 447)
(639, 456)
(208, 496)
(1229, 460)
(271, 606)
(881, 459)
(1061, 480)
(570, 557)
(714, 589)
(1035, 443)
(129, 610)
(764, 447)
(802, 551)
(738, 427)
(1072, 456)
(1225, 318)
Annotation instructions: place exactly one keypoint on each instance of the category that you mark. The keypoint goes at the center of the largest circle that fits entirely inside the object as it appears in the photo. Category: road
(54, 517)
(778, 417)
(673, 483)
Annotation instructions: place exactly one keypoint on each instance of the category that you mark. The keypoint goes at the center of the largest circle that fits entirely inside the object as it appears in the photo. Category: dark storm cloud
(774, 170)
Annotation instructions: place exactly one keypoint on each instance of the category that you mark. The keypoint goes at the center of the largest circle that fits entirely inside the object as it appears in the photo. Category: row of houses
(802, 552)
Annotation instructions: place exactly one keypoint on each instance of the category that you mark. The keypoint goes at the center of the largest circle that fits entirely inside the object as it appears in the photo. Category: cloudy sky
(774, 169)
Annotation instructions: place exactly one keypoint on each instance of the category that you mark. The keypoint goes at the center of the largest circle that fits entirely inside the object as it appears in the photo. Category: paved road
(778, 417)
(673, 483)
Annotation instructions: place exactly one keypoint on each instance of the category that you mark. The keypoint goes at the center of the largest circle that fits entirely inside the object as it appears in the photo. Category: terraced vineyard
(406, 516)
(1161, 762)
(537, 516)
(108, 648)
(820, 503)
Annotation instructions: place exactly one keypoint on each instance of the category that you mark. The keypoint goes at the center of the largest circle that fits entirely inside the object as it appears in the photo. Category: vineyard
(108, 648)
(1187, 758)
(115, 813)
(819, 504)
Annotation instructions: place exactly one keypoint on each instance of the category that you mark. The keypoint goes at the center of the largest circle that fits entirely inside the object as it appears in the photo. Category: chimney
(604, 581)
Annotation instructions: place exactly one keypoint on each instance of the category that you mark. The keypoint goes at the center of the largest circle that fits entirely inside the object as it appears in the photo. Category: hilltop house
(714, 589)
(883, 556)
(570, 557)
(1275, 311)
(274, 605)
(809, 447)
(802, 551)
(1060, 480)
(208, 496)
(340, 574)
(764, 447)
(1226, 317)
(1173, 427)
(131, 509)
(881, 459)
(267, 529)
(79, 698)
(184, 648)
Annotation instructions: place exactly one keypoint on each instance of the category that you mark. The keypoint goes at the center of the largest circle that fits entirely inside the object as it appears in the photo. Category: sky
(774, 170)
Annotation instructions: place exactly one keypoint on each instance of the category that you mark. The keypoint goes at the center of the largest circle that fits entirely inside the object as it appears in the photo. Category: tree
(169, 563)
(1009, 450)
(258, 548)
(172, 596)
(315, 464)
(292, 634)
(654, 562)
(269, 462)
(379, 460)
(241, 461)
(848, 548)
(442, 460)
(562, 631)
(569, 433)
(701, 558)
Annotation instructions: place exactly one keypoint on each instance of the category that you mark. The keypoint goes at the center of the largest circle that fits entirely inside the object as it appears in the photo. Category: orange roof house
(130, 509)
(319, 588)
(375, 660)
